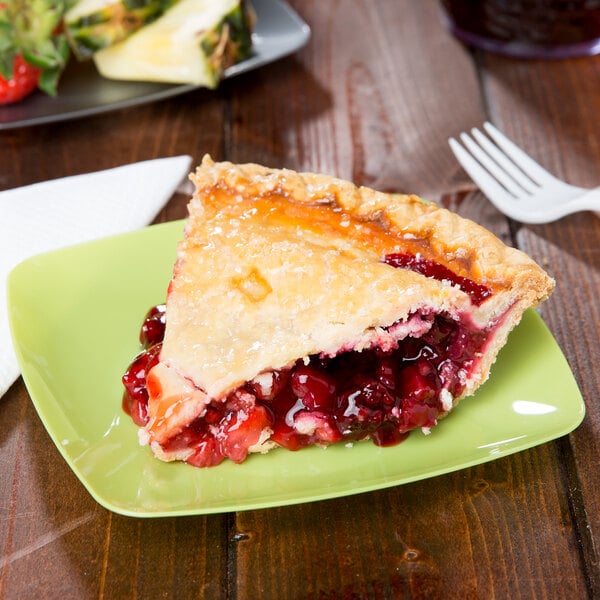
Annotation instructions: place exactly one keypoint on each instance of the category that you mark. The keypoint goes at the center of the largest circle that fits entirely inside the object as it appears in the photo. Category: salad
(173, 41)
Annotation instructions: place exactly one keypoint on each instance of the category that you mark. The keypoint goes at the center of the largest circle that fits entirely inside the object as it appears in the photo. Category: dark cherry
(198, 438)
(386, 372)
(153, 327)
(135, 399)
(283, 410)
(314, 387)
(418, 382)
(365, 391)
(430, 268)
(388, 434)
(206, 453)
(239, 430)
(417, 414)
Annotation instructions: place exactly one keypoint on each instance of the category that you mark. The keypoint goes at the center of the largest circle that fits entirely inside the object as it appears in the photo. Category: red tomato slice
(24, 80)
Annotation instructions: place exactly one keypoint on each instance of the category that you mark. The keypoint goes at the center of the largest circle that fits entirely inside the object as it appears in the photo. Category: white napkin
(61, 212)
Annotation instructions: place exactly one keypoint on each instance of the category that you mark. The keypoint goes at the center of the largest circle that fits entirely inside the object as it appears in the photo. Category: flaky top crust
(277, 265)
(467, 248)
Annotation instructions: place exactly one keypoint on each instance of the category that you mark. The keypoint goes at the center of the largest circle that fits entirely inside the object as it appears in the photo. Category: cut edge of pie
(306, 310)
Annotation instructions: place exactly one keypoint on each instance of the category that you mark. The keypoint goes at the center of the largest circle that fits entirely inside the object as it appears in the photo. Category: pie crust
(277, 268)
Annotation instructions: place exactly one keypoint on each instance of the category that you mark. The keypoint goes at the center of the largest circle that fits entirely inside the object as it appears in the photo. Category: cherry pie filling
(382, 392)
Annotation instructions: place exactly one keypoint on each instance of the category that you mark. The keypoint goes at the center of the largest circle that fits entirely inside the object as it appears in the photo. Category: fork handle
(591, 200)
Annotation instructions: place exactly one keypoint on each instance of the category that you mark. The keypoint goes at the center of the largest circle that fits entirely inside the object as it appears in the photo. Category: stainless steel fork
(516, 184)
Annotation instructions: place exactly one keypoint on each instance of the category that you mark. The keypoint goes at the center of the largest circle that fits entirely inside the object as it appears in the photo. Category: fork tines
(497, 165)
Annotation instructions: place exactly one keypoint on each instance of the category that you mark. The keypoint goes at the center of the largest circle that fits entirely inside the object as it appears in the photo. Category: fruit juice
(527, 28)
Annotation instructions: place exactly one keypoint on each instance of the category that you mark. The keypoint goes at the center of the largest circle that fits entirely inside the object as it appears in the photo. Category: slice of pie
(305, 310)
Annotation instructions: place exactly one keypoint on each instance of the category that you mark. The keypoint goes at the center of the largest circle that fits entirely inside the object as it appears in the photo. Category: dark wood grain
(373, 97)
(552, 111)
(421, 540)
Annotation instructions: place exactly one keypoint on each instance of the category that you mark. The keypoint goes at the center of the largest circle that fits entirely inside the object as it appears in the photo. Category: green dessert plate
(75, 315)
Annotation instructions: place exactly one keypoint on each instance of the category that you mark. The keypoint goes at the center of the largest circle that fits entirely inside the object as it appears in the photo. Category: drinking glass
(527, 28)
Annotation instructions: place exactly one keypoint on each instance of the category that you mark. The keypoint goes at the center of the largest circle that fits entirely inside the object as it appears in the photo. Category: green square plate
(75, 315)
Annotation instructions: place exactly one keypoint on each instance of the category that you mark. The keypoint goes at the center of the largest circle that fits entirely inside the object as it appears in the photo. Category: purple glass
(527, 28)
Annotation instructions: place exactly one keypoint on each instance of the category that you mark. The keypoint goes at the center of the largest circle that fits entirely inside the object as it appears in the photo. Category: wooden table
(373, 97)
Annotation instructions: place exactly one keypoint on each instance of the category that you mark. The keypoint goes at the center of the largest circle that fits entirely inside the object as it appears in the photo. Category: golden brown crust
(277, 265)
(467, 248)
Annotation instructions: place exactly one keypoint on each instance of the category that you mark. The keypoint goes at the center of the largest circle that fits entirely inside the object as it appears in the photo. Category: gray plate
(82, 91)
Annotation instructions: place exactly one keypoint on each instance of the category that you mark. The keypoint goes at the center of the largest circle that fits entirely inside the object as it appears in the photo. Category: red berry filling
(377, 393)
(430, 268)
(381, 393)
(153, 327)
(135, 397)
